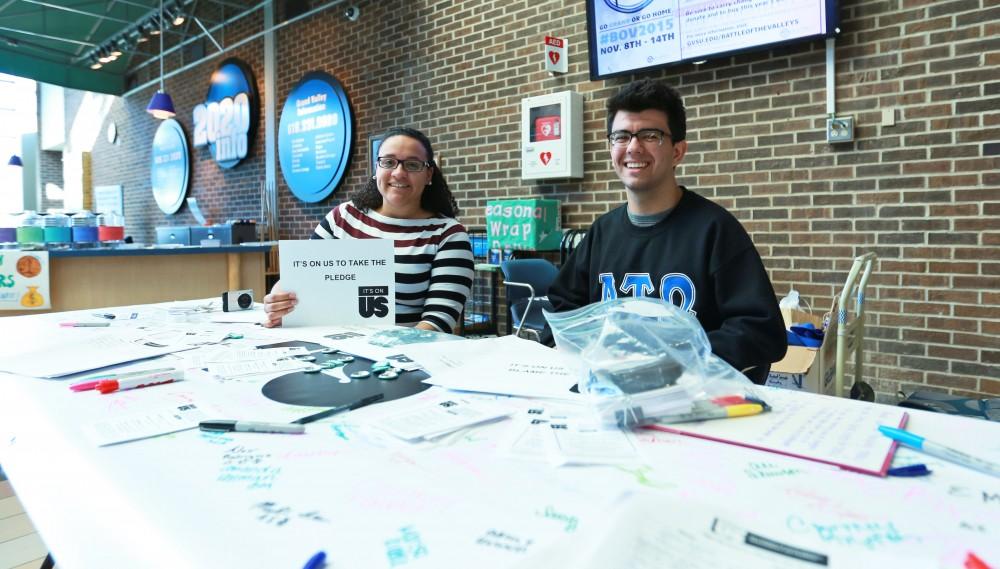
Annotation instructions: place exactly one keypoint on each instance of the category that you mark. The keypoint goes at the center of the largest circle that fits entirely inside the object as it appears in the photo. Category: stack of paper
(831, 430)
(89, 353)
(507, 365)
(564, 435)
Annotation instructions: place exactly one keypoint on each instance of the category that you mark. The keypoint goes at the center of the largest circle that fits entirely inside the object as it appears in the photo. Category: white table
(251, 500)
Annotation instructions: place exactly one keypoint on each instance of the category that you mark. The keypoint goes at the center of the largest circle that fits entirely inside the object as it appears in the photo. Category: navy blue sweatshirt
(699, 258)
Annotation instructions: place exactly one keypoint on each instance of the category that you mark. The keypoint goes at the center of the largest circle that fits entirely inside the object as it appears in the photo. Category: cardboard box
(808, 369)
(524, 225)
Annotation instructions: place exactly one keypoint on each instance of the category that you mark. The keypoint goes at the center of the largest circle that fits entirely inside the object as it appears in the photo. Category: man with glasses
(670, 242)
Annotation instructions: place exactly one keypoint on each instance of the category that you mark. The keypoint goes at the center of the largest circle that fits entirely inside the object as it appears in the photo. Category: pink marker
(85, 386)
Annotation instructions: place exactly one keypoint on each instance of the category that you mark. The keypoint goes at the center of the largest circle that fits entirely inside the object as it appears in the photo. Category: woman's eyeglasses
(408, 165)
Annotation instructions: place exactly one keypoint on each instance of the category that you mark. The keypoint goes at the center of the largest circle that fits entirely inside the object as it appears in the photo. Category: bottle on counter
(57, 230)
(111, 228)
(29, 230)
(84, 226)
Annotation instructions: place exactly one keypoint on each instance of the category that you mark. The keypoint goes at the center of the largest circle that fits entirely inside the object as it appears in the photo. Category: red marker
(93, 382)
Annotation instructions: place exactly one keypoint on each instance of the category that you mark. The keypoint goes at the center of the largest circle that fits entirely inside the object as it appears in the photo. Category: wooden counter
(95, 278)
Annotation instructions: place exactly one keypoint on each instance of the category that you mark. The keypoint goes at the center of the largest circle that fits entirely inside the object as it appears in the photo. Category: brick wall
(50, 171)
(923, 194)
(222, 194)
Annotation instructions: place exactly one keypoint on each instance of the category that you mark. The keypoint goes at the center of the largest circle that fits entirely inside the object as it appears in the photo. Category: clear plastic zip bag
(647, 361)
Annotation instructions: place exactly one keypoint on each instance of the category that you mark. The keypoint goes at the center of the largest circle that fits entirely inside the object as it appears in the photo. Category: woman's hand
(277, 305)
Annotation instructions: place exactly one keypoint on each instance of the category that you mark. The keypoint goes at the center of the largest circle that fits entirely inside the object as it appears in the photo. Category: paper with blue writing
(831, 430)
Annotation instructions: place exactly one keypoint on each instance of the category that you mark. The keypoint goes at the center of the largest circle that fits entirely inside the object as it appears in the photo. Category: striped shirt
(434, 267)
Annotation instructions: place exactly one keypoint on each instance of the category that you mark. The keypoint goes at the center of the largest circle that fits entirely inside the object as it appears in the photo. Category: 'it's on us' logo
(373, 301)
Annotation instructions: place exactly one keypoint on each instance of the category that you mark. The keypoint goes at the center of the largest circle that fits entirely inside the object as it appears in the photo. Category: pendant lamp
(161, 105)
(15, 160)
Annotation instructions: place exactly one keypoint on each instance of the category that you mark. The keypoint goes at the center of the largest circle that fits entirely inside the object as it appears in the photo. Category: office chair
(527, 282)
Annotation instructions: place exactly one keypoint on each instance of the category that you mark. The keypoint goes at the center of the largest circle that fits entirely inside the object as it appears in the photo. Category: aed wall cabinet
(552, 136)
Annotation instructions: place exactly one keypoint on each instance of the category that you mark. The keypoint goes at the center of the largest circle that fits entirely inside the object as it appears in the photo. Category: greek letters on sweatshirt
(699, 258)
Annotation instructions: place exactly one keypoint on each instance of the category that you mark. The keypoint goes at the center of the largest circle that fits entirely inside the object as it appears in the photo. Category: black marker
(251, 427)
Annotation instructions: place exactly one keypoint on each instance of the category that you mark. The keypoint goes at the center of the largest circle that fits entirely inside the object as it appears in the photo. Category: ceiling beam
(45, 36)
(100, 17)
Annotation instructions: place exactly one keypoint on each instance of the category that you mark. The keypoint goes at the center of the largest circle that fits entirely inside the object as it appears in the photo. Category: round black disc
(322, 390)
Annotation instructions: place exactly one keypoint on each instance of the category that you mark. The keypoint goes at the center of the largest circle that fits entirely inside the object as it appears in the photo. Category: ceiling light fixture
(177, 16)
(161, 105)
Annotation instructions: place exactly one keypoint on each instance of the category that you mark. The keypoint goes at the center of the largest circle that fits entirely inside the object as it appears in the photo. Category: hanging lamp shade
(15, 160)
(161, 106)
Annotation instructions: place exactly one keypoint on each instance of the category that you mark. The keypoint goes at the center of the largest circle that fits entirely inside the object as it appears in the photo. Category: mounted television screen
(626, 36)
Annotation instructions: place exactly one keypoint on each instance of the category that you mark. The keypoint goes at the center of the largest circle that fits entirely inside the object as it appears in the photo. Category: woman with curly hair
(408, 201)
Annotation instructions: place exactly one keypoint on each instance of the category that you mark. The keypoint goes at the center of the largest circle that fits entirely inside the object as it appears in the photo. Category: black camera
(234, 300)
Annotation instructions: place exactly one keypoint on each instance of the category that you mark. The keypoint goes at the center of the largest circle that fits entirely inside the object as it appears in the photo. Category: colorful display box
(523, 225)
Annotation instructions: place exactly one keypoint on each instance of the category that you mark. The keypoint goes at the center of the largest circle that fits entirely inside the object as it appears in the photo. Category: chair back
(527, 280)
(571, 238)
(539, 273)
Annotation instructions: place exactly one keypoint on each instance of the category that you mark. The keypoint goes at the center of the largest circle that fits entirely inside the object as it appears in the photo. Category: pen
(720, 412)
(316, 561)
(107, 315)
(84, 324)
(251, 427)
(940, 451)
(91, 382)
(345, 407)
(106, 386)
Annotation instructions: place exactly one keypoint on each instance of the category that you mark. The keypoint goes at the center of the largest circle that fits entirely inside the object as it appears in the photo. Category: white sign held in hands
(339, 281)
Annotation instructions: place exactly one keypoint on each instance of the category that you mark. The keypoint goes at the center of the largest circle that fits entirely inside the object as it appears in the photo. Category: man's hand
(277, 305)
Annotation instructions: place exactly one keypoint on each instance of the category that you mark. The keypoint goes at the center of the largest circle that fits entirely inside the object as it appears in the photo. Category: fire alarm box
(552, 136)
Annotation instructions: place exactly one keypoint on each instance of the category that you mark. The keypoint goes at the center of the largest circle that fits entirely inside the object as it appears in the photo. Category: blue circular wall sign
(315, 135)
(171, 166)
(627, 6)
(227, 121)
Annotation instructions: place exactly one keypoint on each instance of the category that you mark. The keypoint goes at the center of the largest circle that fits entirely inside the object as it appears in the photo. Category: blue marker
(940, 451)
(316, 561)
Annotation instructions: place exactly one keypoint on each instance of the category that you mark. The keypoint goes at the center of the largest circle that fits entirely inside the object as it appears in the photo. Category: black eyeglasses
(645, 136)
(409, 165)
